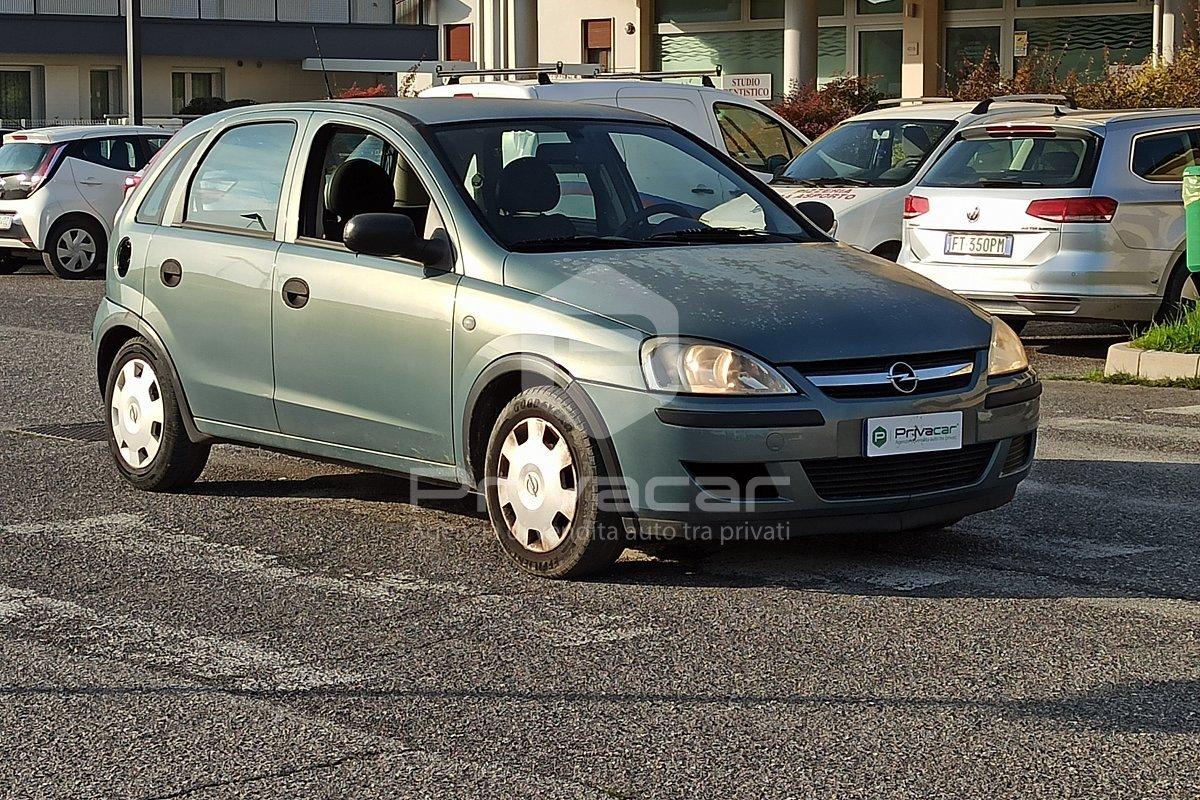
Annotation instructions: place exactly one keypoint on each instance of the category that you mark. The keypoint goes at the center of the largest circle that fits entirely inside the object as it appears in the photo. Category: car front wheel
(146, 434)
(75, 248)
(541, 488)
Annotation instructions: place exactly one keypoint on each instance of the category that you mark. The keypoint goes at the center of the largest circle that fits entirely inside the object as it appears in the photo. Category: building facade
(911, 47)
(64, 60)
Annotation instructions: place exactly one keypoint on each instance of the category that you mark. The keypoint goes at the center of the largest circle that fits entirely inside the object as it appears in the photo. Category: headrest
(914, 141)
(527, 185)
(359, 186)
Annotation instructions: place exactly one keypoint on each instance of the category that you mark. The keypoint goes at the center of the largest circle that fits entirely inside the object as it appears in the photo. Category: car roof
(69, 133)
(445, 110)
(569, 87)
(1096, 120)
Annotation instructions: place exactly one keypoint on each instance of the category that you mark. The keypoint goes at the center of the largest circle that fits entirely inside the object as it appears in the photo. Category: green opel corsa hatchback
(599, 323)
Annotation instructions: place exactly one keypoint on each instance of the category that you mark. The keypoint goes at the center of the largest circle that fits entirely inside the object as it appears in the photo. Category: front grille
(889, 476)
(1019, 451)
(874, 371)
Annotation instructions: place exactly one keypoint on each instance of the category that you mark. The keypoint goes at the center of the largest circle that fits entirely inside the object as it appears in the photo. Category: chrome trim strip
(883, 378)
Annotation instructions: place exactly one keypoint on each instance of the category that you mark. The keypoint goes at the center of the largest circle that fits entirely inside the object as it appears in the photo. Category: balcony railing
(366, 12)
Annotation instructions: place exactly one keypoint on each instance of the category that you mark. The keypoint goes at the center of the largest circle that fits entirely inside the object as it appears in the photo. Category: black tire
(593, 540)
(1174, 305)
(9, 264)
(73, 227)
(178, 460)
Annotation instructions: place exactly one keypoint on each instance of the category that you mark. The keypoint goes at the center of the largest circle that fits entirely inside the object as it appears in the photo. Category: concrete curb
(1151, 365)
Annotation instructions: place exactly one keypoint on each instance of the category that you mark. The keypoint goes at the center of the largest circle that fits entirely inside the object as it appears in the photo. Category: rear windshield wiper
(720, 234)
(1012, 183)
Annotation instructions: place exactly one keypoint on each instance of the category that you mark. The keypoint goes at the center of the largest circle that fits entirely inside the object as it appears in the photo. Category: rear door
(754, 139)
(208, 286)
(99, 167)
(1151, 216)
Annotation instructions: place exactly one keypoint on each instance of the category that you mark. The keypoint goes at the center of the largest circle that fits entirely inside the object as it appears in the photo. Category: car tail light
(42, 172)
(132, 181)
(915, 206)
(1074, 209)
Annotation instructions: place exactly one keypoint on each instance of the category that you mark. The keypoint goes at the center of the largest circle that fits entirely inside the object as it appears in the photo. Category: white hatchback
(863, 168)
(1060, 216)
(60, 189)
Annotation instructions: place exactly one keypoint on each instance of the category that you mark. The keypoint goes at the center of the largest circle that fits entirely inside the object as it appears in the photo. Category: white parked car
(1060, 216)
(753, 134)
(865, 166)
(60, 189)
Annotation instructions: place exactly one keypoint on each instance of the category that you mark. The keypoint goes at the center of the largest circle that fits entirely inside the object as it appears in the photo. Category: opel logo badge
(903, 377)
(973, 214)
(531, 484)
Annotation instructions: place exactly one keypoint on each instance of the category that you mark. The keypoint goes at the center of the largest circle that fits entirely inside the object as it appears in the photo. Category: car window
(114, 152)
(886, 152)
(239, 181)
(18, 157)
(1164, 156)
(151, 210)
(1033, 161)
(153, 144)
(754, 139)
(556, 183)
(344, 164)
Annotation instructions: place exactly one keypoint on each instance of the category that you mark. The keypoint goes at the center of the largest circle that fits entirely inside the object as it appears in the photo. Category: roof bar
(543, 71)
(705, 74)
(903, 101)
(1056, 99)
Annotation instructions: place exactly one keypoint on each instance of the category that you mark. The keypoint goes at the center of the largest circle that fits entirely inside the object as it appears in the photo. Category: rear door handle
(702, 189)
(91, 182)
(295, 293)
(170, 273)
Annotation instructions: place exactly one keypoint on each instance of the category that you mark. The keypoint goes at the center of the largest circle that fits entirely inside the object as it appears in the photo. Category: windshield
(18, 157)
(886, 152)
(579, 184)
(1016, 162)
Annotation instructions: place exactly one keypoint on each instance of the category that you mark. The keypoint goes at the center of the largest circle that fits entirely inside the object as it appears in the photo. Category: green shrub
(1181, 336)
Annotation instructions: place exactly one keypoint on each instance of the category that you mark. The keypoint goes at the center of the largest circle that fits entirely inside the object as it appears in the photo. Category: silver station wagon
(481, 293)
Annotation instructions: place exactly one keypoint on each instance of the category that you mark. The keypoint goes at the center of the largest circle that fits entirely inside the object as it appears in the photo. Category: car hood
(784, 302)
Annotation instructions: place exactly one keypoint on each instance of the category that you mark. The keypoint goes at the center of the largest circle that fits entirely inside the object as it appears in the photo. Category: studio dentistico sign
(755, 87)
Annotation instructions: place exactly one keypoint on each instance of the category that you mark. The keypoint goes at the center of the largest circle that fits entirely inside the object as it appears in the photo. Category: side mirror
(775, 164)
(820, 215)
(388, 235)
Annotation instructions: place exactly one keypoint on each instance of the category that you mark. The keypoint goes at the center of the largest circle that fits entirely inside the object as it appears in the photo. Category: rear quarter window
(1017, 162)
(1162, 157)
(150, 212)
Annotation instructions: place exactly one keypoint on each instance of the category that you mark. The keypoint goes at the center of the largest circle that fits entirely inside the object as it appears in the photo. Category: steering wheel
(643, 217)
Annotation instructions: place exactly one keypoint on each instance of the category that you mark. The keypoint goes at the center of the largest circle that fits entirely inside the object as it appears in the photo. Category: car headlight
(1007, 354)
(693, 366)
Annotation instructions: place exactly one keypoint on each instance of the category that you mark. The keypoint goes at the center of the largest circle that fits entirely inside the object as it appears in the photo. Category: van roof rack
(706, 75)
(1057, 99)
(453, 74)
(903, 101)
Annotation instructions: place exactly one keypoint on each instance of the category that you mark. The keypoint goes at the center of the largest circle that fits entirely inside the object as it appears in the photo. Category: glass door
(880, 53)
(16, 94)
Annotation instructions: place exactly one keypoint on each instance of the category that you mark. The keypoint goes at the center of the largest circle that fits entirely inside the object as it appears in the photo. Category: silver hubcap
(536, 485)
(137, 413)
(76, 250)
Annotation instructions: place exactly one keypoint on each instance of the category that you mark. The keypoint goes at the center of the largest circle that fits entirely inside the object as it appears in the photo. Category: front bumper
(794, 440)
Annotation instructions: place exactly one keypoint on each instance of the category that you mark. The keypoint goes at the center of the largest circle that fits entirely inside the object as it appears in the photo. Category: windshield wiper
(837, 181)
(553, 242)
(719, 234)
(1007, 182)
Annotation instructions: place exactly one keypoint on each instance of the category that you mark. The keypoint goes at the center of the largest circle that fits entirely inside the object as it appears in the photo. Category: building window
(880, 6)
(16, 94)
(966, 49)
(189, 86)
(598, 42)
(773, 9)
(458, 43)
(831, 54)
(104, 92)
(879, 57)
(1085, 45)
(738, 52)
(698, 10)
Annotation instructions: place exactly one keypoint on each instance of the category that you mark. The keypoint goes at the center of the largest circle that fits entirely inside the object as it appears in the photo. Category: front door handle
(91, 182)
(295, 293)
(702, 189)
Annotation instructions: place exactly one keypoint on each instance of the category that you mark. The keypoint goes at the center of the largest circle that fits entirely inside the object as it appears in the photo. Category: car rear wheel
(541, 488)
(146, 434)
(76, 248)
(1180, 295)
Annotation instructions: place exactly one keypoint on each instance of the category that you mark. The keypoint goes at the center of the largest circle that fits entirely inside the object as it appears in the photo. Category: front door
(208, 283)
(362, 344)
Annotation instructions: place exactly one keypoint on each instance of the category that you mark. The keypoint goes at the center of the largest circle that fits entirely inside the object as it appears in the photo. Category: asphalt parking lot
(292, 629)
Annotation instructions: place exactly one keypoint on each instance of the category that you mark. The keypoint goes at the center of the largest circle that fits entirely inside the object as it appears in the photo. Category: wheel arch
(112, 336)
(505, 378)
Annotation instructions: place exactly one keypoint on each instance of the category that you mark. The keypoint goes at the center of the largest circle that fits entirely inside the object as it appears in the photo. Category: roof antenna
(321, 58)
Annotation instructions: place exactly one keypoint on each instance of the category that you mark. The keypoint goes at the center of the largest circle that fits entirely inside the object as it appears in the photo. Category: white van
(754, 135)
